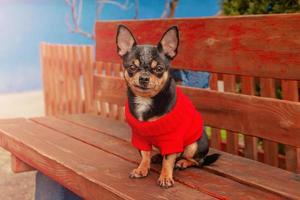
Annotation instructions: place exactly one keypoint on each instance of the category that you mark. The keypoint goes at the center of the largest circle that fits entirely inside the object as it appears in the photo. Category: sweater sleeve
(140, 143)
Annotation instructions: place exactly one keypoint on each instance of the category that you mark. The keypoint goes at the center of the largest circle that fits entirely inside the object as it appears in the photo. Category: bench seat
(92, 156)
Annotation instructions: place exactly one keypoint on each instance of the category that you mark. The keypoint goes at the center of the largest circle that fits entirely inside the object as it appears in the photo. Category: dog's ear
(169, 42)
(125, 40)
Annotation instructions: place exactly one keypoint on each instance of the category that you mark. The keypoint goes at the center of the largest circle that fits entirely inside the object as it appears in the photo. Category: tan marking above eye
(153, 64)
(136, 62)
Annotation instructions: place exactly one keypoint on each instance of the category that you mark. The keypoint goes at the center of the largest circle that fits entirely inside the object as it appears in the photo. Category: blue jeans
(48, 189)
(192, 78)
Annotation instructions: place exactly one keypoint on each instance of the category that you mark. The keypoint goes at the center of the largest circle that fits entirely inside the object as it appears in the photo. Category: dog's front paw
(139, 173)
(165, 181)
(185, 163)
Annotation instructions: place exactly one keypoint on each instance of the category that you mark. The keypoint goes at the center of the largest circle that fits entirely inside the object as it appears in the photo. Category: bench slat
(232, 138)
(290, 92)
(248, 87)
(270, 148)
(12, 121)
(249, 115)
(87, 171)
(200, 179)
(256, 45)
(215, 138)
(243, 170)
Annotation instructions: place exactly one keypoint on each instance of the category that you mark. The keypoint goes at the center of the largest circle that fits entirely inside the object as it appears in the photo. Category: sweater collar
(166, 123)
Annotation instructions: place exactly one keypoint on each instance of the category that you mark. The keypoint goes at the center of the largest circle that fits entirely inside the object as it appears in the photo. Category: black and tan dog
(155, 104)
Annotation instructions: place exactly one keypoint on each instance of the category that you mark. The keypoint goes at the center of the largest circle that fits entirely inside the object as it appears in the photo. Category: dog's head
(147, 67)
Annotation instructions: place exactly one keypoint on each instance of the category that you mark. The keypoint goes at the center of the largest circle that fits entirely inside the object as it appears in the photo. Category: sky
(24, 24)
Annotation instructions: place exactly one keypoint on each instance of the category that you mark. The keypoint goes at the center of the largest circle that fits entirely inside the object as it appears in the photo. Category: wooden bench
(254, 56)
(92, 155)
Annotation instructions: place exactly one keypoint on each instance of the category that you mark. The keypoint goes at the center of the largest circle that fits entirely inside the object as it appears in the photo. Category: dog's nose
(144, 80)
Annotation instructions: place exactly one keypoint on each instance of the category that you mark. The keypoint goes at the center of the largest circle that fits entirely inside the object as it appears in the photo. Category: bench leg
(18, 165)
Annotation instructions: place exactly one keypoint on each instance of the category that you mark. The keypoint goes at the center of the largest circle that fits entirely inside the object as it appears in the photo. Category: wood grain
(243, 113)
(215, 139)
(232, 140)
(120, 146)
(44, 62)
(18, 165)
(249, 114)
(245, 171)
(89, 172)
(256, 45)
(290, 92)
(248, 87)
(110, 89)
(270, 147)
(87, 67)
(67, 69)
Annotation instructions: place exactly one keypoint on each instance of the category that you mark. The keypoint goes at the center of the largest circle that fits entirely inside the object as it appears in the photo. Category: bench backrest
(254, 56)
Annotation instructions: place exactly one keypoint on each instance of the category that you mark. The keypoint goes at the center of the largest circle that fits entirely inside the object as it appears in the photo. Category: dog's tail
(210, 159)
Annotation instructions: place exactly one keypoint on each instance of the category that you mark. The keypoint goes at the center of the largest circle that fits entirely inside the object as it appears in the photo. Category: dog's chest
(142, 105)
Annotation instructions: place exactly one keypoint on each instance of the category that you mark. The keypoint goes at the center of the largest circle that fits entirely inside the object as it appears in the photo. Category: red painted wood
(101, 129)
(270, 147)
(250, 115)
(248, 172)
(215, 138)
(259, 45)
(290, 92)
(88, 171)
(232, 140)
(250, 150)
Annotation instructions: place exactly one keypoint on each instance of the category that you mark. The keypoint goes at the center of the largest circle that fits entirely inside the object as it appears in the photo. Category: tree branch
(123, 6)
(169, 10)
(137, 9)
(76, 14)
(173, 6)
(76, 18)
(166, 9)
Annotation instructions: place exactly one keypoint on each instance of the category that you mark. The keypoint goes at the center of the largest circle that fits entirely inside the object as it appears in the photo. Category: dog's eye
(158, 69)
(132, 68)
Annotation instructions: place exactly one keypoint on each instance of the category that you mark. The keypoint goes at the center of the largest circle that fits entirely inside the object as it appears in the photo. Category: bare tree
(76, 13)
(137, 9)
(74, 26)
(169, 10)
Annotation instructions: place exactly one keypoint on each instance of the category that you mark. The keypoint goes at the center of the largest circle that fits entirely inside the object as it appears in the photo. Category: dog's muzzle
(144, 81)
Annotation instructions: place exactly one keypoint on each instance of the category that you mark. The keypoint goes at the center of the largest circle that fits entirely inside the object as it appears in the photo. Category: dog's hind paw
(185, 163)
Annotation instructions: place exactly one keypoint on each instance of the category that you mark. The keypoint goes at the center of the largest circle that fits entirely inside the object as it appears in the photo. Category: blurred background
(27, 23)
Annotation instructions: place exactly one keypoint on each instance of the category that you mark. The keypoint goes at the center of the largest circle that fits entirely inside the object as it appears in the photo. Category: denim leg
(196, 79)
(48, 189)
(191, 78)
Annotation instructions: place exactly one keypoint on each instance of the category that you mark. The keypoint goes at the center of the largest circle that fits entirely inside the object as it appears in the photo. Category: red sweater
(182, 126)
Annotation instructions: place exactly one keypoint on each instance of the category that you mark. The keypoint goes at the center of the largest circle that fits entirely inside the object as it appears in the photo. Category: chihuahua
(159, 114)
